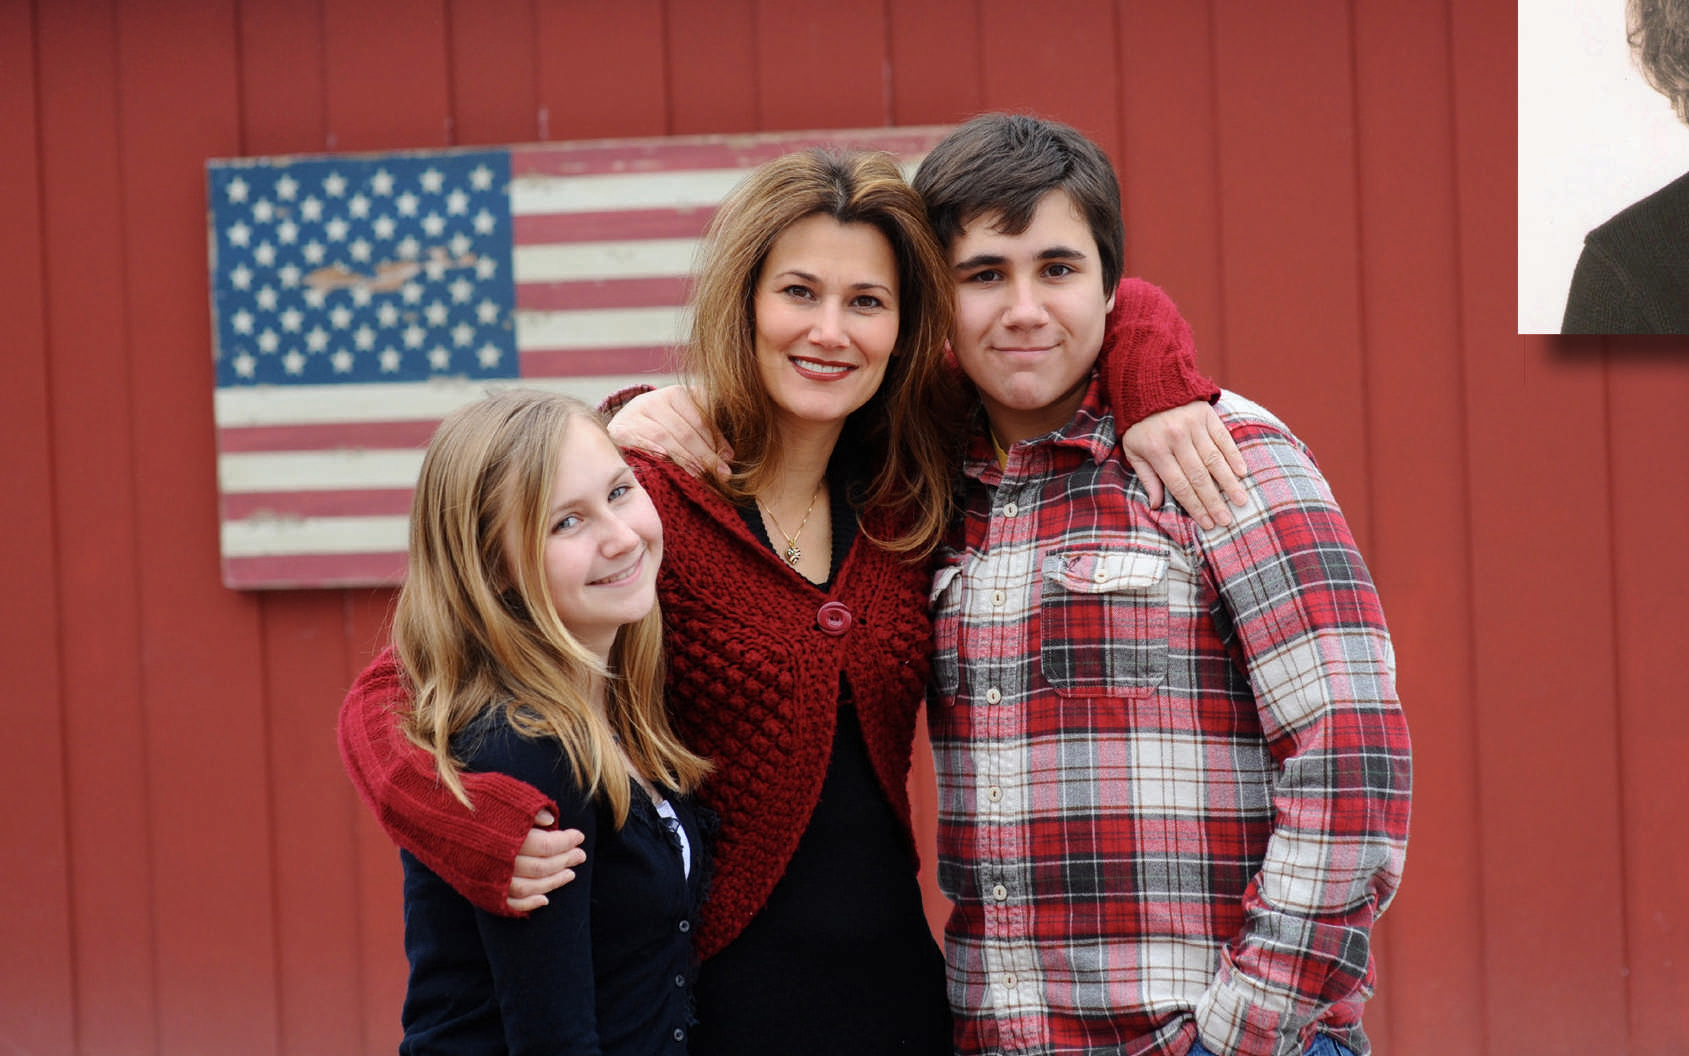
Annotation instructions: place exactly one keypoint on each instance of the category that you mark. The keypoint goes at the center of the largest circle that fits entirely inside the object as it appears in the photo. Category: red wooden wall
(1326, 186)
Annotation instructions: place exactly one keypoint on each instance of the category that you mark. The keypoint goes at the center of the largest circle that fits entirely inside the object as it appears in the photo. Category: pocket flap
(1106, 571)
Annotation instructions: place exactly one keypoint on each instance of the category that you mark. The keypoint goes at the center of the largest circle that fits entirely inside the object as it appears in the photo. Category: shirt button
(1000, 893)
(993, 695)
(685, 925)
(1101, 576)
(1010, 980)
(1010, 510)
(995, 793)
(679, 1035)
(998, 598)
(680, 980)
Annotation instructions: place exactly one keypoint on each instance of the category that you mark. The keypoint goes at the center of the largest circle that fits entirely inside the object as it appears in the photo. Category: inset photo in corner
(1604, 166)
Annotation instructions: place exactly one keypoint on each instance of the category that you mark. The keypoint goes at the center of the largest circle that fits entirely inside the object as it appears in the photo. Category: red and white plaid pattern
(1173, 773)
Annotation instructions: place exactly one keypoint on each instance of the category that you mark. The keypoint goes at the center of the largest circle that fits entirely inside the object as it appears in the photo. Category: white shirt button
(998, 598)
(993, 695)
(1009, 979)
(1000, 893)
(1010, 510)
(995, 793)
(1100, 576)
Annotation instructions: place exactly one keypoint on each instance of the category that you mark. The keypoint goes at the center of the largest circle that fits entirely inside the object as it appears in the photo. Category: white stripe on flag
(536, 195)
(263, 537)
(588, 261)
(606, 328)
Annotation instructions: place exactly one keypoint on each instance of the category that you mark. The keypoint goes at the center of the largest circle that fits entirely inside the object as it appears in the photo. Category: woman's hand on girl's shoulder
(546, 862)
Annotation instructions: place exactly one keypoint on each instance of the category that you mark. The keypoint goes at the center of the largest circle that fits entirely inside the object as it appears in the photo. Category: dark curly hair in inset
(1659, 35)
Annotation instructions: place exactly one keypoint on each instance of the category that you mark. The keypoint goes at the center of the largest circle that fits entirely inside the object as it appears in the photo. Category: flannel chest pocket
(1104, 621)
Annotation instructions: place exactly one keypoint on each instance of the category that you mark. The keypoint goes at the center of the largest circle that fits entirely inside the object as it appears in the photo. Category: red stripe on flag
(315, 570)
(669, 291)
(552, 228)
(631, 157)
(324, 437)
(594, 362)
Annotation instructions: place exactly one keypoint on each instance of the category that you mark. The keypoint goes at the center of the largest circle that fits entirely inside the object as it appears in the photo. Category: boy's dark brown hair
(1002, 165)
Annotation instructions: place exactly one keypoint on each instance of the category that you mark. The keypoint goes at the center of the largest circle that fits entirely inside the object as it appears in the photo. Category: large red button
(834, 618)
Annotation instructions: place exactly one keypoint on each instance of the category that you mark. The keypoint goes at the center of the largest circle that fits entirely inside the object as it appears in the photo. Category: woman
(795, 602)
(1633, 274)
(529, 636)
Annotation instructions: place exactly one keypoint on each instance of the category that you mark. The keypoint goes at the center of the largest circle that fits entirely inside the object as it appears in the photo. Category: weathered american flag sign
(356, 299)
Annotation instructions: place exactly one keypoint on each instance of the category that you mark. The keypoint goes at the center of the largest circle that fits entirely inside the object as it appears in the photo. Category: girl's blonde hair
(475, 627)
(910, 429)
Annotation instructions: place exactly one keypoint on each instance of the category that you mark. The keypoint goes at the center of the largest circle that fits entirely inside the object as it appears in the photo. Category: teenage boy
(1173, 775)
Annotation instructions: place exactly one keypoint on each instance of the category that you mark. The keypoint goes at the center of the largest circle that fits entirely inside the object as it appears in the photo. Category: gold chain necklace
(794, 553)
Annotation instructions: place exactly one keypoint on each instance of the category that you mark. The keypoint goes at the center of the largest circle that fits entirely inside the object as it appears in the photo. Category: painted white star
(268, 342)
(336, 229)
(439, 358)
(364, 337)
(462, 290)
(357, 207)
(267, 299)
(390, 360)
(360, 295)
(315, 298)
(311, 210)
(317, 339)
(463, 334)
(287, 232)
(457, 203)
(489, 356)
(460, 244)
(482, 178)
(383, 227)
(381, 183)
(286, 188)
(334, 185)
(245, 365)
(314, 251)
(484, 223)
(236, 189)
(387, 314)
(433, 225)
(435, 268)
(486, 268)
(360, 248)
(407, 203)
(292, 319)
(342, 361)
(409, 247)
(415, 336)
(241, 277)
(242, 321)
(436, 314)
(341, 317)
(487, 312)
(263, 211)
(265, 254)
(290, 275)
(294, 361)
(433, 181)
(239, 234)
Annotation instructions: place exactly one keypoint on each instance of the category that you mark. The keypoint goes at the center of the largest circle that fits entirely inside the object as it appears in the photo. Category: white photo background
(1593, 138)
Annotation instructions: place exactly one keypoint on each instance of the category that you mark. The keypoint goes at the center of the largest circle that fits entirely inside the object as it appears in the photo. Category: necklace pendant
(793, 554)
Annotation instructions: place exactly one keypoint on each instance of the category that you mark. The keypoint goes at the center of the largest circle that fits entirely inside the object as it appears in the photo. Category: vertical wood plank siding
(1327, 188)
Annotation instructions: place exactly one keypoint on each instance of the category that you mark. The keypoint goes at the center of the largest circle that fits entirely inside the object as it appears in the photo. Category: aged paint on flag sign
(358, 298)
